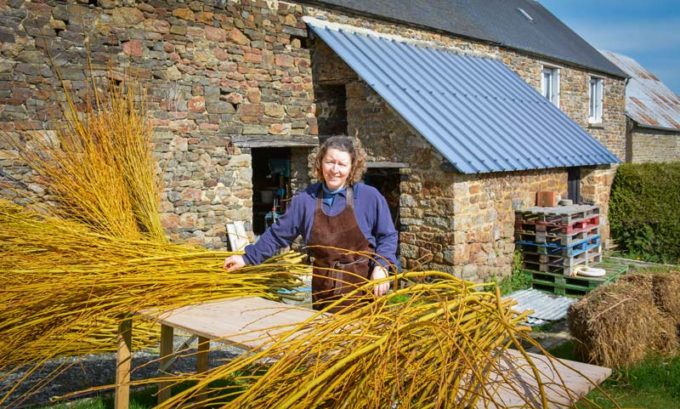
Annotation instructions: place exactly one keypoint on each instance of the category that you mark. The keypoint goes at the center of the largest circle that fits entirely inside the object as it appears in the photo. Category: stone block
(197, 104)
(237, 36)
(279, 129)
(219, 107)
(133, 48)
(169, 220)
(120, 16)
(249, 129)
(215, 34)
(184, 14)
(274, 110)
(254, 95)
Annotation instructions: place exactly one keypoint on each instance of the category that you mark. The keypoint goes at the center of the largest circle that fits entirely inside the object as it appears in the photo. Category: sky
(646, 30)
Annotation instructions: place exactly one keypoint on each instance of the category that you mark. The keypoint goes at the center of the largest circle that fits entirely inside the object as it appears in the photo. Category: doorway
(271, 185)
(387, 181)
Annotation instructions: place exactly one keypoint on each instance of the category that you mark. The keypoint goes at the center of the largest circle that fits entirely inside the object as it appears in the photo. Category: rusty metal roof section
(649, 102)
(478, 113)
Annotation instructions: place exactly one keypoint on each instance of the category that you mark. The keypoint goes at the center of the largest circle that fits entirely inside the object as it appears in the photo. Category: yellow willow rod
(343, 362)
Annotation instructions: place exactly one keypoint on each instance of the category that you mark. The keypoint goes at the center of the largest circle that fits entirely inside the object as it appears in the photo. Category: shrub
(644, 211)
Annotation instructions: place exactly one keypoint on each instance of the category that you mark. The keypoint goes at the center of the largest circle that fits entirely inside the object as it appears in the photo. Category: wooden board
(250, 322)
(238, 238)
(579, 377)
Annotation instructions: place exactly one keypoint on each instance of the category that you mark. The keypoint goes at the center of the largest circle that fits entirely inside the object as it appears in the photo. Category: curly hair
(344, 144)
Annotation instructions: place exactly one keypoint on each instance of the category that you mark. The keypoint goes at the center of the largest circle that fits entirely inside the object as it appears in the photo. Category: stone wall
(217, 73)
(651, 145)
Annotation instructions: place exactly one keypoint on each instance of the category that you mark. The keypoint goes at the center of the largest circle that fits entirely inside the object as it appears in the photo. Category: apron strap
(350, 197)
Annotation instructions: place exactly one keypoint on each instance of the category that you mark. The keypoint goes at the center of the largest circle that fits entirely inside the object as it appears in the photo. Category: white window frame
(554, 96)
(596, 102)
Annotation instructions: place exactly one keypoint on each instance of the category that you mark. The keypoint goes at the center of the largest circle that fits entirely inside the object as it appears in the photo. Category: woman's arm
(279, 235)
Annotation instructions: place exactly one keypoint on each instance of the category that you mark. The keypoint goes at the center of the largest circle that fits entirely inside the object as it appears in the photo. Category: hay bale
(618, 325)
(666, 290)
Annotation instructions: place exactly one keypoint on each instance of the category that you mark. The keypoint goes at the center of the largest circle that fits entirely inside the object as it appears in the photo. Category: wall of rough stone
(218, 73)
(650, 145)
(464, 224)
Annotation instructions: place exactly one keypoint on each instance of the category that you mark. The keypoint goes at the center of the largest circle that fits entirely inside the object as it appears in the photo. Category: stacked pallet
(556, 241)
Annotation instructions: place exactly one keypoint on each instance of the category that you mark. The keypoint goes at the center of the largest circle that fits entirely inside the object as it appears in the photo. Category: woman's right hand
(234, 262)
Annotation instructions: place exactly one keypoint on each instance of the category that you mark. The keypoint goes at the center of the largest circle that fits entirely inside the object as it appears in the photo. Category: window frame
(599, 108)
(554, 98)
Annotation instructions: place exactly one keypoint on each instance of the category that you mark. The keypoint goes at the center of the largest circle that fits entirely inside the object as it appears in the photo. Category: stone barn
(652, 113)
(467, 109)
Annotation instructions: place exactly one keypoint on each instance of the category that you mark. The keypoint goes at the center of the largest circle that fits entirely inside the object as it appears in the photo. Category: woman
(346, 225)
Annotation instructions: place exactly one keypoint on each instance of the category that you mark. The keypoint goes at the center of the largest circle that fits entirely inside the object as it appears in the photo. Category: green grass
(652, 384)
(519, 279)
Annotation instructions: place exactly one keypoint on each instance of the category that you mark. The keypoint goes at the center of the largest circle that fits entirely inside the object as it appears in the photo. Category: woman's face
(335, 166)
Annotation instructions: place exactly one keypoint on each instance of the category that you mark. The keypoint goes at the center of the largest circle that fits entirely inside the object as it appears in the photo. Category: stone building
(653, 114)
(241, 91)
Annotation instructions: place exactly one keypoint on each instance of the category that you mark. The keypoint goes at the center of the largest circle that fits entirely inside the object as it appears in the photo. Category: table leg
(202, 354)
(123, 364)
(167, 336)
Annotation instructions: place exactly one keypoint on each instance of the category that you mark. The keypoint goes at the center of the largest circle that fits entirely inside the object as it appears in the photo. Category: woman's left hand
(379, 273)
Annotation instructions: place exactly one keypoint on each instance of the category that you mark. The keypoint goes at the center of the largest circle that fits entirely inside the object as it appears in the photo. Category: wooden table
(252, 322)
(248, 323)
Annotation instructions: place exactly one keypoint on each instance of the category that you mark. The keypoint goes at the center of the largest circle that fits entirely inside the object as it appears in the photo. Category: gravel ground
(96, 370)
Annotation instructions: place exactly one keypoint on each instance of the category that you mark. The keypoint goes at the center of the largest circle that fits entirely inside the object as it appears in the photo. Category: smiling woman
(345, 224)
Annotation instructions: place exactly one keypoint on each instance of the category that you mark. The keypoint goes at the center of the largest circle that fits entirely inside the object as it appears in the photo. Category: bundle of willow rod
(428, 345)
(66, 288)
(93, 251)
(99, 169)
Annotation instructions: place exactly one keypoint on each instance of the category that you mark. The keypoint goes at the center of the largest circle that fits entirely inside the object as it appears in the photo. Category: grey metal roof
(496, 21)
(479, 114)
(649, 102)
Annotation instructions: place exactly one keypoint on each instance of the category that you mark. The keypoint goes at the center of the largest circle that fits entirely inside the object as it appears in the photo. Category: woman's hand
(379, 273)
(234, 262)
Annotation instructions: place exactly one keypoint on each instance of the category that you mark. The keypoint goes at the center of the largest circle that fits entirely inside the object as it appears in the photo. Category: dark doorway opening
(574, 185)
(271, 185)
(387, 180)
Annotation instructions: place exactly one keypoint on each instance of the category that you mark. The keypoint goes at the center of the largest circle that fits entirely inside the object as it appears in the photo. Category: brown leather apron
(333, 244)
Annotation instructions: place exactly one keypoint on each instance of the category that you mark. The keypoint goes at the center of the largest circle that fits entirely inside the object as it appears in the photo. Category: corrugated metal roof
(649, 102)
(496, 21)
(546, 307)
(479, 114)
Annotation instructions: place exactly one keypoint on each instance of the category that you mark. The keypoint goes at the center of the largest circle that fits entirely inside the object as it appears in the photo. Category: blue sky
(646, 30)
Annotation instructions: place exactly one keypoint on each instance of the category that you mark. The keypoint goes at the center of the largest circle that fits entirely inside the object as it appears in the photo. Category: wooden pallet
(560, 260)
(574, 249)
(562, 215)
(561, 239)
(564, 285)
(584, 259)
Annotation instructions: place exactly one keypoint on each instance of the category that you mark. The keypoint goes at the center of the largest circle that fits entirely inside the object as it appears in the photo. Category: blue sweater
(370, 209)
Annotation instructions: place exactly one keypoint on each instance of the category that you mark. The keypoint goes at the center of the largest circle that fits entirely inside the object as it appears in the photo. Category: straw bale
(618, 324)
(666, 290)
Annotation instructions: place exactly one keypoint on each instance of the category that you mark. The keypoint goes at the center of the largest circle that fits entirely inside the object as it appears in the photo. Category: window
(596, 97)
(550, 84)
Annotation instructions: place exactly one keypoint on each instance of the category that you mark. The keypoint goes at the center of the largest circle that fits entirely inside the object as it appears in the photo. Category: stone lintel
(268, 141)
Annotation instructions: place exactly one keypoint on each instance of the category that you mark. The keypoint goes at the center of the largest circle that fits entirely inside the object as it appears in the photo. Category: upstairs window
(550, 85)
(596, 95)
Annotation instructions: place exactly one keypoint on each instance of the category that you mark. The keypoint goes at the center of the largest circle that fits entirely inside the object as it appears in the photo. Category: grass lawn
(653, 384)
